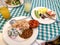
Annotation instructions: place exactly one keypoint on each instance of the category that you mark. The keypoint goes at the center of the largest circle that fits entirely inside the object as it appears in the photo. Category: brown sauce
(26, 33)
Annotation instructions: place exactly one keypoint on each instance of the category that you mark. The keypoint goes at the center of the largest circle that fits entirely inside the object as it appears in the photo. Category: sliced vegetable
(36, 14)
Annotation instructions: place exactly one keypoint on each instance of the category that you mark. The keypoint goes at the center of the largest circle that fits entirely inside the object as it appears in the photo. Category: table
(46, 31)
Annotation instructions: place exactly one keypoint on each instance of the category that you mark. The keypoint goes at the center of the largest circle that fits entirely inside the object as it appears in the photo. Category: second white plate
(43, 21)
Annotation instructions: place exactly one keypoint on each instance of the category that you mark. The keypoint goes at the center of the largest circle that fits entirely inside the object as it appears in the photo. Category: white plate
(43, 21)
(9, 41)
(16, 5)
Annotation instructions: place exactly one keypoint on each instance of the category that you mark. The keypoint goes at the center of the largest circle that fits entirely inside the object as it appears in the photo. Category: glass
(4, 10)
(27, 5)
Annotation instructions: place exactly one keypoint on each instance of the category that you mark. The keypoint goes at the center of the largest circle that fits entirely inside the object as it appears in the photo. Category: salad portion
(13, 2)
(44, 15)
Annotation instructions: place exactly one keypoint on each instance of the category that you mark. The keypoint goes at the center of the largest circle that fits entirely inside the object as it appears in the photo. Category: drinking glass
(4, 10)
(27, 5)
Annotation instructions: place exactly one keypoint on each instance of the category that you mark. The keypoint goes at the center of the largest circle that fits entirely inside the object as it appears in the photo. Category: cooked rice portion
(21, 24)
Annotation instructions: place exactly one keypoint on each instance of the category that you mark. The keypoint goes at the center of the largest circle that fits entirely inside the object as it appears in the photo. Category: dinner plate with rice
(20, 31)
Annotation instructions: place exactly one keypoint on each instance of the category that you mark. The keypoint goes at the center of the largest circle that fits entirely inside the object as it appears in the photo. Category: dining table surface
(45, 31)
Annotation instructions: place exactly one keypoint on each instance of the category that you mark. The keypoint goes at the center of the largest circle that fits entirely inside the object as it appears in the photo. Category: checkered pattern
(46, 31)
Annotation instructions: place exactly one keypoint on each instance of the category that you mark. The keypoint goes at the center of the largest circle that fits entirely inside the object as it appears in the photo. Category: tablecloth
(46, 31)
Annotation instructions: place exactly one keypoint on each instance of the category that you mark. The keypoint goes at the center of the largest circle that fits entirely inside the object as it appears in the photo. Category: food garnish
(36, 14)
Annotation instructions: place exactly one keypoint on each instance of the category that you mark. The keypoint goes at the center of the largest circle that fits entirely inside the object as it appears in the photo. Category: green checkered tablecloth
(46, 31)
